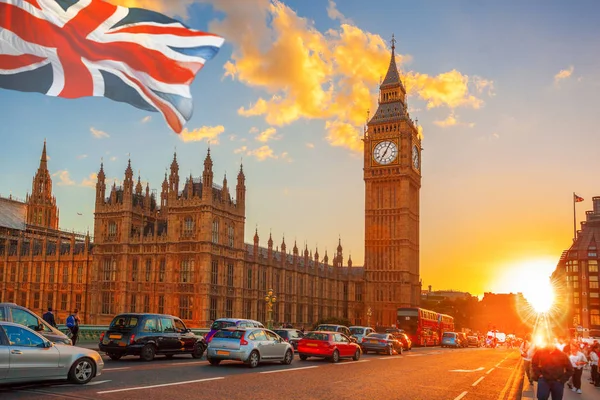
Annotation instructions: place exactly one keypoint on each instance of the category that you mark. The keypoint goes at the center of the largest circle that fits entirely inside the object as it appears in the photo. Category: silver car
(249, 345)
(27, 356)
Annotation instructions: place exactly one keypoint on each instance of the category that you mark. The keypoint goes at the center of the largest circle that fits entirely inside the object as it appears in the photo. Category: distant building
(441, 295)
(576, 276)
(40, 265)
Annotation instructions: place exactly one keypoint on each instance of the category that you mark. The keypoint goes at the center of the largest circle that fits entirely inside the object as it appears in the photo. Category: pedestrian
(578, 360)
(527, 350)
(73, 325)
(594, 358)
(49, 317)
(551, 368)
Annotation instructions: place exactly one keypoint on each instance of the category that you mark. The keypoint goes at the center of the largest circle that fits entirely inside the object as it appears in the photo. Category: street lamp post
(270, 299)
(369, 313)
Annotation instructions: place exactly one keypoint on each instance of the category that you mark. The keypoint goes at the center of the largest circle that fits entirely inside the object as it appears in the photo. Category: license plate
(372, 341)
(222, 353)
(311, 344)
(114, 336)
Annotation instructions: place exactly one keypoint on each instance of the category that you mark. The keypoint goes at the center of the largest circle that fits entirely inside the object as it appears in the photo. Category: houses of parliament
(182, 251)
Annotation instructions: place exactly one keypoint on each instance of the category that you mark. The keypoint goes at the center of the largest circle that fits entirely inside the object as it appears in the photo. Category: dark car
(462, 339)
(473, 341)
(292, 336)
(146, 335)
(381, 343)
(334, 328)
(404, 339)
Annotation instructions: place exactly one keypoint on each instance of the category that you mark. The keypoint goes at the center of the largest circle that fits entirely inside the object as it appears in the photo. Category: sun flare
(540, 295)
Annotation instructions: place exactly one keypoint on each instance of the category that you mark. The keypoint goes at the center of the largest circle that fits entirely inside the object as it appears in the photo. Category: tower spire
(43, 159)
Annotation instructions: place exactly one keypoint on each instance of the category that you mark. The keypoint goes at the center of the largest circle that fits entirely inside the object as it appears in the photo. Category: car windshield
(229, 334)
(378, 335)
(449, 335)
(317, 336)
(357, 331)
(329, 328)
(221, 325)
(281, 333)
(124, 322)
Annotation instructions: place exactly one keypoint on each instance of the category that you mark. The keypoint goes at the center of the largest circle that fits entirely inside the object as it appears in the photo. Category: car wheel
(82, 371)
(198, 350)
(254, 359)
(148, 353)
(390, 351)
(356, 355)
(289, 357)
(335, 357)
(115, 356)
(303, 357)
(214, 361)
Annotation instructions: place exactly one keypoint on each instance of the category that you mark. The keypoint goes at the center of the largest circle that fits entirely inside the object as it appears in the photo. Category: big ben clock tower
(392, 174)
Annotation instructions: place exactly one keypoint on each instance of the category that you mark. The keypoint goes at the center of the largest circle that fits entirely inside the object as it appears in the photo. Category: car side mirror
(39, 328)
(48, 344)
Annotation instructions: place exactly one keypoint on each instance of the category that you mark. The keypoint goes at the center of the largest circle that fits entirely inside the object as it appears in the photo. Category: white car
(27, 356)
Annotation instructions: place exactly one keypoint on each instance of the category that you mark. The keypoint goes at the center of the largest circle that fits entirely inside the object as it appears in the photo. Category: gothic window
(213, 309)
(248, 309)
(230, 275)
(146, 303)
(133, 306)
(345, 292)
(161, 304)
(65, 277)
(301, 285)
(230, 235)
(109, 270)
(50, 274)
(80, 274)
(187, 271)
(25, 273)
(38, 273)
(112, 229)
(594, 317)
(215, 231)
(161, 270)
(229, 308)
(134, 270)
(593, 266)
(36, 300)
(78, 301)
(188, 226)
(214, 276)
(63, 301)
(287, 314)
(289, 288)
(249, 279)
(107, 303)
(185, 306)
(50, 300)
(148, 269)
(276, 285)
(264, 280)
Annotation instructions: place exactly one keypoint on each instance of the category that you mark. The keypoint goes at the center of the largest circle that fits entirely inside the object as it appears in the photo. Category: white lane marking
(460, 396)
(289, 369)
(477, 381)
(391, 358)
(467, 370)
(353, 362)
(489, 371)
(162, 385)
(114, 369)
(415, 355)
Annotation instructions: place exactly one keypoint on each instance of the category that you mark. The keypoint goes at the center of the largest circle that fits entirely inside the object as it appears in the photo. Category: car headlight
(66, 341)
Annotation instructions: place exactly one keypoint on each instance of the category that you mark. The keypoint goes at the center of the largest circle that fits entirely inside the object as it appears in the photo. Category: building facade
(392, 175)
(576, 277)
(41, 266)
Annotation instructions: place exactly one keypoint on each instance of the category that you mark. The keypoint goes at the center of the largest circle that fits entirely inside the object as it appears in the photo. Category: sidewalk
(590, 392)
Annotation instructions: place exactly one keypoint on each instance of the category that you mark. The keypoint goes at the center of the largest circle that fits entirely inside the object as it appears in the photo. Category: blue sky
(506, 94)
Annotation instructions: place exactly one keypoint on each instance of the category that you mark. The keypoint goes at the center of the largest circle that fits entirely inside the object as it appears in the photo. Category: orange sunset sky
(505, 93)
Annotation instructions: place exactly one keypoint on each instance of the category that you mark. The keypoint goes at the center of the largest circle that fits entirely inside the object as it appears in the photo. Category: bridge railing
(91, 333)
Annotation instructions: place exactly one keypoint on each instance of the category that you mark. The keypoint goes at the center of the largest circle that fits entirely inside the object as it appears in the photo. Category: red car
(330, 345)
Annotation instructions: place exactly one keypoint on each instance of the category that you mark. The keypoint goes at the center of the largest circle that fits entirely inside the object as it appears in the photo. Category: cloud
(63, 178)
(147, 118)
(345, 64)
(484, 85)
(267, 135)
(90, 181)
(98, 134)
(343, 134)
(232, 137)
(113, 158)
(310, 145)
(286, 157)
(206, 133)
(564, 74)
(452, 120)
(82, 156)
(241, 150)
(253, 130)
(262, 153)
(335, 14)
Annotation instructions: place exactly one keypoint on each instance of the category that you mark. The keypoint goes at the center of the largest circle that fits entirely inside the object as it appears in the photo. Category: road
(422, 373)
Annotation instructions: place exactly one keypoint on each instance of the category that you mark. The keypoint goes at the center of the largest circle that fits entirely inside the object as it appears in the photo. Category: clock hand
(386, 149)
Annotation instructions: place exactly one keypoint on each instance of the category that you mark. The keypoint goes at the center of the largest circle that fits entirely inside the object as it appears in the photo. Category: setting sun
(540, 295)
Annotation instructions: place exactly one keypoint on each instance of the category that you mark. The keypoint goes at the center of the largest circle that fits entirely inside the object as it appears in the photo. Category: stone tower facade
(41, 204)
(392, 174)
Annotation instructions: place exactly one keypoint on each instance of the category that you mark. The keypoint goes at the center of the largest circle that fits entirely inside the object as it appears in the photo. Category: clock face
(415, 157)
(385, 152)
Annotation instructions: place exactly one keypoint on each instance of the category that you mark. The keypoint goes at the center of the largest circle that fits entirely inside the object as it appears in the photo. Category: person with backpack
(527, 350)
(73, 325)
(551, 368)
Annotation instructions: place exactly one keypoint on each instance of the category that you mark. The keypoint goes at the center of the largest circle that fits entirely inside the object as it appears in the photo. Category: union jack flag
(79, 48)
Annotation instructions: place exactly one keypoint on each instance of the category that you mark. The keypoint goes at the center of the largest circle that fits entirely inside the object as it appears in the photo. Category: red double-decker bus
(424, 327)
